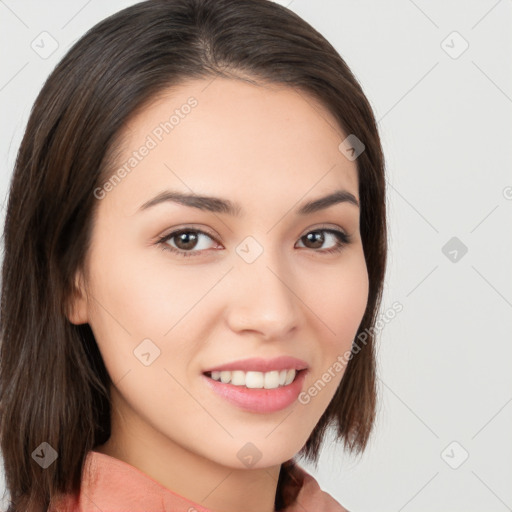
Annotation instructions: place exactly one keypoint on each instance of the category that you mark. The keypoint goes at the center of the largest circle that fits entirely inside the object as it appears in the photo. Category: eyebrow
(219, 205)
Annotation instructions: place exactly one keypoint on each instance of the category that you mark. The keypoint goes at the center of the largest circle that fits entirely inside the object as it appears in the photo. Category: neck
(198, 479)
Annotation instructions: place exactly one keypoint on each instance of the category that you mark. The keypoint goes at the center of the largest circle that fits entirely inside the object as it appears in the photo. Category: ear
(77, 311)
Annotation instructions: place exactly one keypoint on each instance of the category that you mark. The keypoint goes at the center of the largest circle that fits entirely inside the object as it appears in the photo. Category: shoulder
(63, 503)
(310, 495)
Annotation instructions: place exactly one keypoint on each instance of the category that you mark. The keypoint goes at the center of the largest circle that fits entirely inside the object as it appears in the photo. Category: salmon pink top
(112, 485)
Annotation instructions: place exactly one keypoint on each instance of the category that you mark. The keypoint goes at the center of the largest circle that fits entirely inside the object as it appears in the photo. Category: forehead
(231, 138)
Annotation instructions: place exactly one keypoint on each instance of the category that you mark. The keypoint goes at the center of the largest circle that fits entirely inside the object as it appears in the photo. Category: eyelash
(342, 240)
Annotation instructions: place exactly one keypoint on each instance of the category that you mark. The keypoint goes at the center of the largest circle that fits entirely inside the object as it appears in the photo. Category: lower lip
(259, 400)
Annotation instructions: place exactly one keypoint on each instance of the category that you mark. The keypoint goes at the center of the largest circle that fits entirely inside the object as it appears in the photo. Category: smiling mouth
(255, 380)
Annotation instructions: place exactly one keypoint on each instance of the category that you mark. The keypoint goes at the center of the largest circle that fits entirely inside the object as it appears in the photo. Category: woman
(195, 248)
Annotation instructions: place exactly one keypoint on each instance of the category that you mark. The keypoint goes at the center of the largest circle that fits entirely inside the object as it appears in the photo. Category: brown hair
(54, 387)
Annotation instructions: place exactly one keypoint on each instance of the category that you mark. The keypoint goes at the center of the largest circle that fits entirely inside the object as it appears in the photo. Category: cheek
(340, 301)
(339, 304)
(137, 298)
(145, 295)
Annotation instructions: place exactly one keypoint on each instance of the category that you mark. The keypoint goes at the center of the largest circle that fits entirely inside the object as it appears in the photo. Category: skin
(270, 149)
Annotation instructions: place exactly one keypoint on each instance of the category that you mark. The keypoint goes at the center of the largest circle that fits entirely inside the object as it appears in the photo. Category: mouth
(257, 392)
(256, 380)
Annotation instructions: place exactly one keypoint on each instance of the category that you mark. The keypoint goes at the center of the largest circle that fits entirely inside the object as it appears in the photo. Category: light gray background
(446, 126)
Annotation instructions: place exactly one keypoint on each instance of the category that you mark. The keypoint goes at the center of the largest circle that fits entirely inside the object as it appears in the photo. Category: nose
(263, 298)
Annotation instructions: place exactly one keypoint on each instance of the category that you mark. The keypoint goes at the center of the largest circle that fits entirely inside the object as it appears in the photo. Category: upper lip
(261, 364)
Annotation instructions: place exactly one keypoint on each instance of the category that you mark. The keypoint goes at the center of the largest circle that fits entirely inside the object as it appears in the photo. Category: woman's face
(256, 284)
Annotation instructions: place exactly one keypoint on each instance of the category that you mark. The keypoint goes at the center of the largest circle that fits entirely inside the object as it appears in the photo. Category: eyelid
(163, 239)
(343, 239)
(188, 227)
(206, 231)
(334, 227)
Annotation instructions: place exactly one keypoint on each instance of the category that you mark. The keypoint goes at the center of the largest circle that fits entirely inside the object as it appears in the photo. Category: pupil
(188, 238)
(318, 235)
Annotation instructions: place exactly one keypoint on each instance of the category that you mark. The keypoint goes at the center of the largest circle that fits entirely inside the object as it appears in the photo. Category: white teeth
(251, 380)
(238, 378)
(256, 380)
(271, 380)
(289, 377)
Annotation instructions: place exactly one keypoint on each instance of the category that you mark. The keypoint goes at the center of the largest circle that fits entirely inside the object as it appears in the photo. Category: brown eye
(185, 242)
(316, 239)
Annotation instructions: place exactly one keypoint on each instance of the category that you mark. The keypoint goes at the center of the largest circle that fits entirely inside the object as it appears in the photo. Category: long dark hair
(53, 383)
